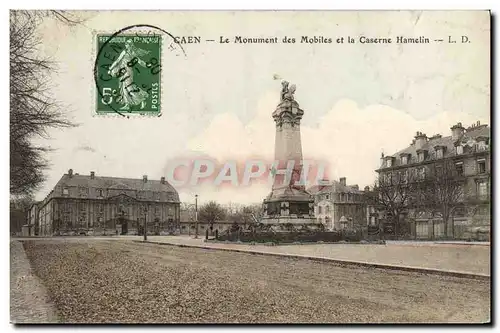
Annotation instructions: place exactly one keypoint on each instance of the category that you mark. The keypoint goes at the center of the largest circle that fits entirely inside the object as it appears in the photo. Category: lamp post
(196, 215)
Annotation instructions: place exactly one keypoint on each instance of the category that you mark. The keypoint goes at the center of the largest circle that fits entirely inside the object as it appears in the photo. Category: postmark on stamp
(128, 74)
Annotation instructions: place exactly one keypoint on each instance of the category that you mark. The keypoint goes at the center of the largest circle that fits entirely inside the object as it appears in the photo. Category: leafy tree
(18, 212)
(32, 109)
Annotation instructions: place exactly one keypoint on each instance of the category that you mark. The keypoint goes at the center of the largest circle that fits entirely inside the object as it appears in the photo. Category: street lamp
(196, 215)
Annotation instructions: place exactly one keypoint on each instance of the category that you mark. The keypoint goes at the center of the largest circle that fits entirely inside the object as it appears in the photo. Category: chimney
(457, 131)
(92, 174)
(145, 178)
(420, 140)
(382, 160)
(367, 188)
(70, 173)
(343, 181)
(356, 187)
(162, 180)
(478, 123)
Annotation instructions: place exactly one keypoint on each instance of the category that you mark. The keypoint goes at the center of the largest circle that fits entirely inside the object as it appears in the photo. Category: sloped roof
(447, 141)
(429, 145)
(115, 182)
(333, 187)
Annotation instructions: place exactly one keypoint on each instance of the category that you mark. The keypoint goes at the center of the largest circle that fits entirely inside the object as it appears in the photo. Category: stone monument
(288, 203)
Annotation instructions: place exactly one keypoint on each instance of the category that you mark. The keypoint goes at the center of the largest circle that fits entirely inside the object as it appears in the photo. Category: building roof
(472, 133)
(87, 181)
(333, 187)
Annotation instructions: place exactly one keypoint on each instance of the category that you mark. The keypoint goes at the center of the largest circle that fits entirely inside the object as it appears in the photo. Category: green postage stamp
(128, 74)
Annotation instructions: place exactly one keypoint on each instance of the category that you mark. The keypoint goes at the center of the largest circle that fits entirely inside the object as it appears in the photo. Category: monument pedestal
(289, 206)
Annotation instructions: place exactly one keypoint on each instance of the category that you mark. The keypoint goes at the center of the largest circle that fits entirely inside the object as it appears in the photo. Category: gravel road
(101, 281)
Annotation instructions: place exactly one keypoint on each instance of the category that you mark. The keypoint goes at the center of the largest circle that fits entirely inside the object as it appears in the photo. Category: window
(99, 192)
(421, 173)
(459, 150)
(482, 189)
(183, 227)
(327, 197)
(320, 210)
(460, 168)
(83, 191)
(421, 156)
(157, 209)
(327, 209)
(439, 153)
(389, 162)
(65, 191)
(404, 176)
(481, 166)
(157, 196)
(404, 159)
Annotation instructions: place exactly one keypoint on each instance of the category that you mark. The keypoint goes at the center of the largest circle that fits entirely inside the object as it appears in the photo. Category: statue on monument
(287, 92)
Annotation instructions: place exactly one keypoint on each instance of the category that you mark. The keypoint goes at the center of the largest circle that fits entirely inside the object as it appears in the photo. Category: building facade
(464, 157)
(339, 206)
(89, 204)
(31, 225)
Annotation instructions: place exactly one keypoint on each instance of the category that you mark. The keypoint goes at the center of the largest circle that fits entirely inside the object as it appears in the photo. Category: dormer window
(99, 192)
(404, 159)
(439, 152)
(460, 150)
(422, 154)
(65, 191)
(389, 162)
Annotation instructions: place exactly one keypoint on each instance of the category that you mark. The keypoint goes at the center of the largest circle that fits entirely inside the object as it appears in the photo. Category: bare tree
(211, 212)
(32, 110)
(442, 191)
(393, 193)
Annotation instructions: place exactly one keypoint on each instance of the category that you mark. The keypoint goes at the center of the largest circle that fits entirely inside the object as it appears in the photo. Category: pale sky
(358, 99)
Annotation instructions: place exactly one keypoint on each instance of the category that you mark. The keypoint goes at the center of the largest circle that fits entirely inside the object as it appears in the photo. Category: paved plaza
(447, 256)
(453, 256)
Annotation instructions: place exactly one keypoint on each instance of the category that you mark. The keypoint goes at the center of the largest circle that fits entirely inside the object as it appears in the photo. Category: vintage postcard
(154, 153)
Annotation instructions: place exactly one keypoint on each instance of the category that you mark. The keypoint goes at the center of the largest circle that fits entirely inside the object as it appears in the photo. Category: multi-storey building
(88, 204)
(465, 155)
(339, 206)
